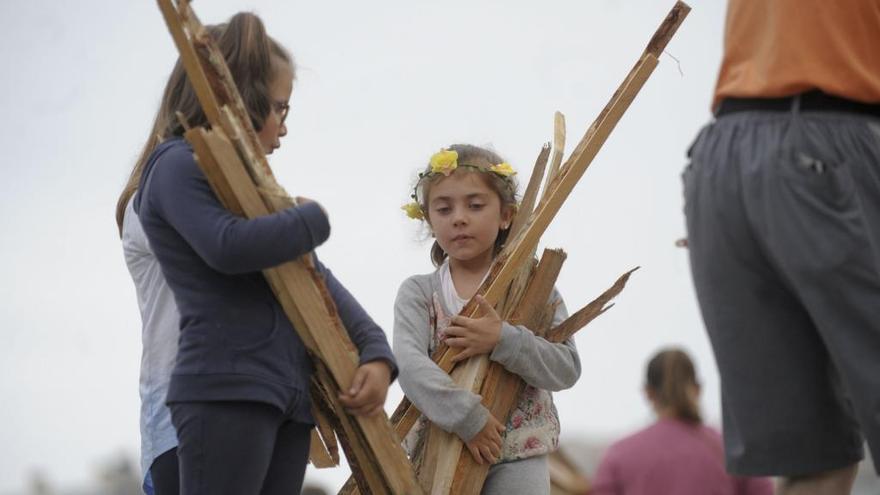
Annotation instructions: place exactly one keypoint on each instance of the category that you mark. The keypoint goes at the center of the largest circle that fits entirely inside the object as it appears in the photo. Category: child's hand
(474, 335)
(486, 445)
(366, 396)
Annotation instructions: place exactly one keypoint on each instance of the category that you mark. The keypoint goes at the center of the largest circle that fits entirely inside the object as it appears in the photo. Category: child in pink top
(677, 454)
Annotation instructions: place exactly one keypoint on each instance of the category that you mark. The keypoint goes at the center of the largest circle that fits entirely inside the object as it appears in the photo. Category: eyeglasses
(282, 109)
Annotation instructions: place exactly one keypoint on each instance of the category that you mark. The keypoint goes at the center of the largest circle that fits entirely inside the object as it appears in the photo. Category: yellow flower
(444, 162)
(503, 169)
(413, 210)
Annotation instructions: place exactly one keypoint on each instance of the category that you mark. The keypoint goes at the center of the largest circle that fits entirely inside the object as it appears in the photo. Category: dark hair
(670, 372)
(249, 54)
(481, 158)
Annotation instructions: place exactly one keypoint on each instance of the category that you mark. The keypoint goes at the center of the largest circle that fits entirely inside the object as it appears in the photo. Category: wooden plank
(190, 60)
(500, 388)
(327, 454)
(319, 454)
(558, 149)
(588, 313)
(527, 205)
(539, 290)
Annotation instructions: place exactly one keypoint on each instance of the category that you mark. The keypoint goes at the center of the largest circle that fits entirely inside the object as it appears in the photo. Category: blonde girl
(467, 197)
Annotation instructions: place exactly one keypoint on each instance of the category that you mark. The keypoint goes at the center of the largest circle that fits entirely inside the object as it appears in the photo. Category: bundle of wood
(520, 289)
(233, 161)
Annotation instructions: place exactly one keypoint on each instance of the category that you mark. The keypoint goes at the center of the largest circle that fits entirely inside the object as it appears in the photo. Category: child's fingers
(360, 397)
(495, 437)
(376, 410)
(487, 308)
(455, 331)
(475, 453)
(456, 342)
(357, 383)
(461, 356)
(462, 321)
(350, 402)
(487, 454)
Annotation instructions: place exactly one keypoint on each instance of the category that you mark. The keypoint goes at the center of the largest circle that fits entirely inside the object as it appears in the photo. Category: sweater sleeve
(539, 362)
(228, 243)
(366, 335)
(427, 386)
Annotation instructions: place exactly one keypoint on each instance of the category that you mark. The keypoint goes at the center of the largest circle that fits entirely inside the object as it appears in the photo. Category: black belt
(812, 101)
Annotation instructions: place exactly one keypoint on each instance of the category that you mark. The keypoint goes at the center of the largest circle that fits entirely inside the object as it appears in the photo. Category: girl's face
(465, 215)
(279, 91)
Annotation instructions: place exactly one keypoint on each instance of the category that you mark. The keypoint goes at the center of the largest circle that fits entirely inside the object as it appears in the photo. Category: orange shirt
(775, 48)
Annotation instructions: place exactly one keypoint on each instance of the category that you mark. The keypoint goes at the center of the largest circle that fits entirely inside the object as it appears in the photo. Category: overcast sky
(381, 86)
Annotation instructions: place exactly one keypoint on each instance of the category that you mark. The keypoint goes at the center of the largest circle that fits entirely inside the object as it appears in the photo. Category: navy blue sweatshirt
(236, 343)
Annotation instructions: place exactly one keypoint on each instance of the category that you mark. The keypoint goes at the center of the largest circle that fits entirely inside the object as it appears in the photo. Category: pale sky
(381, 86)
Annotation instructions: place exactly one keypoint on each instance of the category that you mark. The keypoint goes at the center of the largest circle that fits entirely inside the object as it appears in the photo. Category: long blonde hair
(249, 53)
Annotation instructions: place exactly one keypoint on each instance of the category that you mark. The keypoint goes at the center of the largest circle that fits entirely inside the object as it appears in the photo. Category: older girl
(239, 391)
(677, 454)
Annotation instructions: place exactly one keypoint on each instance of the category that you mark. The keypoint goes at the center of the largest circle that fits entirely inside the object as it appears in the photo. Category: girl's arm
(427, 386)
(228, 243)
(540, 363)
(367, 336)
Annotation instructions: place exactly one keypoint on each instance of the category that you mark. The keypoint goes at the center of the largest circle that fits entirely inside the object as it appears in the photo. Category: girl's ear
(507, 217)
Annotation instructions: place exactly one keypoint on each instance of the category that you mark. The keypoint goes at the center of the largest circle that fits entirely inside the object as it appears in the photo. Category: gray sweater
(542, 364)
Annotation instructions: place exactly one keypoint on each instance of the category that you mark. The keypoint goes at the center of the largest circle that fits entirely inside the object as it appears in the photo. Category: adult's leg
(835, 482)
(165, 473)
(825, 238)
(225, 448)
(781, 397)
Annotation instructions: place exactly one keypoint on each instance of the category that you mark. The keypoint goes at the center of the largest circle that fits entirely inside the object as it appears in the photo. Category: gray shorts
(783, 219)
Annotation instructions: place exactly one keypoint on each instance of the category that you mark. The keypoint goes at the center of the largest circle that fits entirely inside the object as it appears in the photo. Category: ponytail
(253, 60)
(670, 374)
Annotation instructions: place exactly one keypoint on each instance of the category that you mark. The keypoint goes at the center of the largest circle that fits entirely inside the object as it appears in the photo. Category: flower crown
(444, 162)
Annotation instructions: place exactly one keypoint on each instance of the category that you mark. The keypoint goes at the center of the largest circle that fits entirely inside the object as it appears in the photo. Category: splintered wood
(520, 290)
(231, 158)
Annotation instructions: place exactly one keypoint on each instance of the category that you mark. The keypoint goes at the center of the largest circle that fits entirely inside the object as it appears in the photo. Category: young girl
(239, 391)
(677, 454)
(467, 196)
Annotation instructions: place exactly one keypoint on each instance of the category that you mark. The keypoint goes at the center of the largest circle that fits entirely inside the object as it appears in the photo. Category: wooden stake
(558, 148)
(527, 205)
